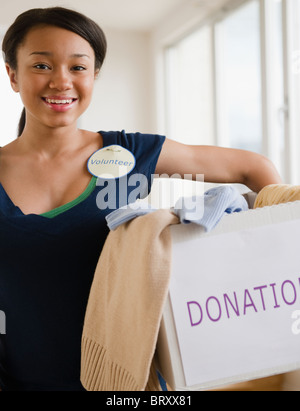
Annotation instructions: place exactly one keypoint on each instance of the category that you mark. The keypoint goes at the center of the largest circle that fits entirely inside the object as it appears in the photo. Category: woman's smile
(59, 104)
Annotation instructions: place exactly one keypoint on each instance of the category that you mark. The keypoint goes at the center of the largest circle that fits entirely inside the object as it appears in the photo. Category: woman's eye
(42, 67)
(78, 68)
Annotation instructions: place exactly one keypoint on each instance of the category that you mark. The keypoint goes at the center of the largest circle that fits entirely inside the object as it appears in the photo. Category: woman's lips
(59, 104)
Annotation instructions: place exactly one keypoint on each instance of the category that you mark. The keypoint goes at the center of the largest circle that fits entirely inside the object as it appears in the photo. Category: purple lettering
(193, 324)
(261, 294)
(235, 308)
(284, 296)
(274, 294)
(220, 309)
(251, 302)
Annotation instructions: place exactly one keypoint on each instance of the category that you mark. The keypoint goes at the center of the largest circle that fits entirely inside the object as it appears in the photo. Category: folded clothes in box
(233, 310)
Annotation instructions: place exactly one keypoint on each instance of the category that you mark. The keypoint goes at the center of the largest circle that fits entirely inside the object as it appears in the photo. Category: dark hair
(53, 16)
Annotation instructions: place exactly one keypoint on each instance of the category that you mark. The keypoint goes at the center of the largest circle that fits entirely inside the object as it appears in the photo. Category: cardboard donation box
(233, 310)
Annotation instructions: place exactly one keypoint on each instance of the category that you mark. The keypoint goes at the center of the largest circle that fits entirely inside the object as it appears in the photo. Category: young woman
(51, 228)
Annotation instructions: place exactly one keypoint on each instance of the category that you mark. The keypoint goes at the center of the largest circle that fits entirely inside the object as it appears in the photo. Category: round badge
(111, 162)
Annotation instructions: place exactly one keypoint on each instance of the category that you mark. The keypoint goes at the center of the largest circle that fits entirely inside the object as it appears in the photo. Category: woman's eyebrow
(80, 55)
(49, 54)
(41, 53)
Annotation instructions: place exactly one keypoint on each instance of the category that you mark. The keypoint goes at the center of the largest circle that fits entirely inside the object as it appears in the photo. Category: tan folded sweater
(277, 194)
(126, 304)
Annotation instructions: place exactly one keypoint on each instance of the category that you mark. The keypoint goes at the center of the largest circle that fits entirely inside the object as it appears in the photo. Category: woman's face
(55, 76)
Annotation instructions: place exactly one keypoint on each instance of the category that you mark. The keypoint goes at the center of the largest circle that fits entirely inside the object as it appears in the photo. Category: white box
(233, 310)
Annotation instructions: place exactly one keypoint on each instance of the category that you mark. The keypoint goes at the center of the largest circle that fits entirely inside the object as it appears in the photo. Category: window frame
(288, 111)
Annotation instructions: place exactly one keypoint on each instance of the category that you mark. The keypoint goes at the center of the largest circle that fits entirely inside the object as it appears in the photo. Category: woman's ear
(97, 73)
(13, 78)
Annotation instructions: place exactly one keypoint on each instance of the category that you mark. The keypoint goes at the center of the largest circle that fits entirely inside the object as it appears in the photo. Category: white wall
(10, 108)
(123, 96)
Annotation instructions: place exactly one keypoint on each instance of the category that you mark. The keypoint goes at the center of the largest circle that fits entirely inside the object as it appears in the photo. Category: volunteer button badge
(111, 162)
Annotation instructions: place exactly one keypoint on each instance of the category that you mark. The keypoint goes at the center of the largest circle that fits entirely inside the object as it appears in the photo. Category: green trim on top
(59, 210)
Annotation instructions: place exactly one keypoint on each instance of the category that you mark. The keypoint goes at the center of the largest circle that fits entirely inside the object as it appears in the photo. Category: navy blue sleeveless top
(46, 271)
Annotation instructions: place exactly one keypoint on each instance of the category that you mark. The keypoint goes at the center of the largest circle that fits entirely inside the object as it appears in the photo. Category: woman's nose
(61, 80)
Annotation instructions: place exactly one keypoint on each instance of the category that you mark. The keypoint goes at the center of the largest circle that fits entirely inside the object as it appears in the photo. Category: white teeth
(51, 101)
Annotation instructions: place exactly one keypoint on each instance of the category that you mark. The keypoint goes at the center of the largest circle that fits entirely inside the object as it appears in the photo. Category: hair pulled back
(53, 16)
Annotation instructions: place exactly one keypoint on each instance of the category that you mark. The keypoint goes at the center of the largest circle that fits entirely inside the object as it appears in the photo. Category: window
(274, 106)
(235, 82)
(10, 108)
(190, 89)
(292, 88)
(239, 90)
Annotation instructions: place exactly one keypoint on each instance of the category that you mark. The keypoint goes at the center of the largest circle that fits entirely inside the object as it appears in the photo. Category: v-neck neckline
(49, 215)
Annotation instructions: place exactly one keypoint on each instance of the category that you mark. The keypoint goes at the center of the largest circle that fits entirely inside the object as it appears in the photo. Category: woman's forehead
(53, 40)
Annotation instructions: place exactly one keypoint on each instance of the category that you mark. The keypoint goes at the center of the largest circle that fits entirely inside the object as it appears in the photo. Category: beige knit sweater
(126, 304)
(277, 194)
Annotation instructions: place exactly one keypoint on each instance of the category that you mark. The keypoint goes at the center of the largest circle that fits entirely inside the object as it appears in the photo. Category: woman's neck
(50, 142)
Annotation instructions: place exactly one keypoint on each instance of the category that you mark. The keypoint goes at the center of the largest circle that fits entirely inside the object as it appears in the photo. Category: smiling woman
(52, 230)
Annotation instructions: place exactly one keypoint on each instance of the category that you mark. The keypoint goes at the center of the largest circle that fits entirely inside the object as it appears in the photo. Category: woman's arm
(219, 165)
